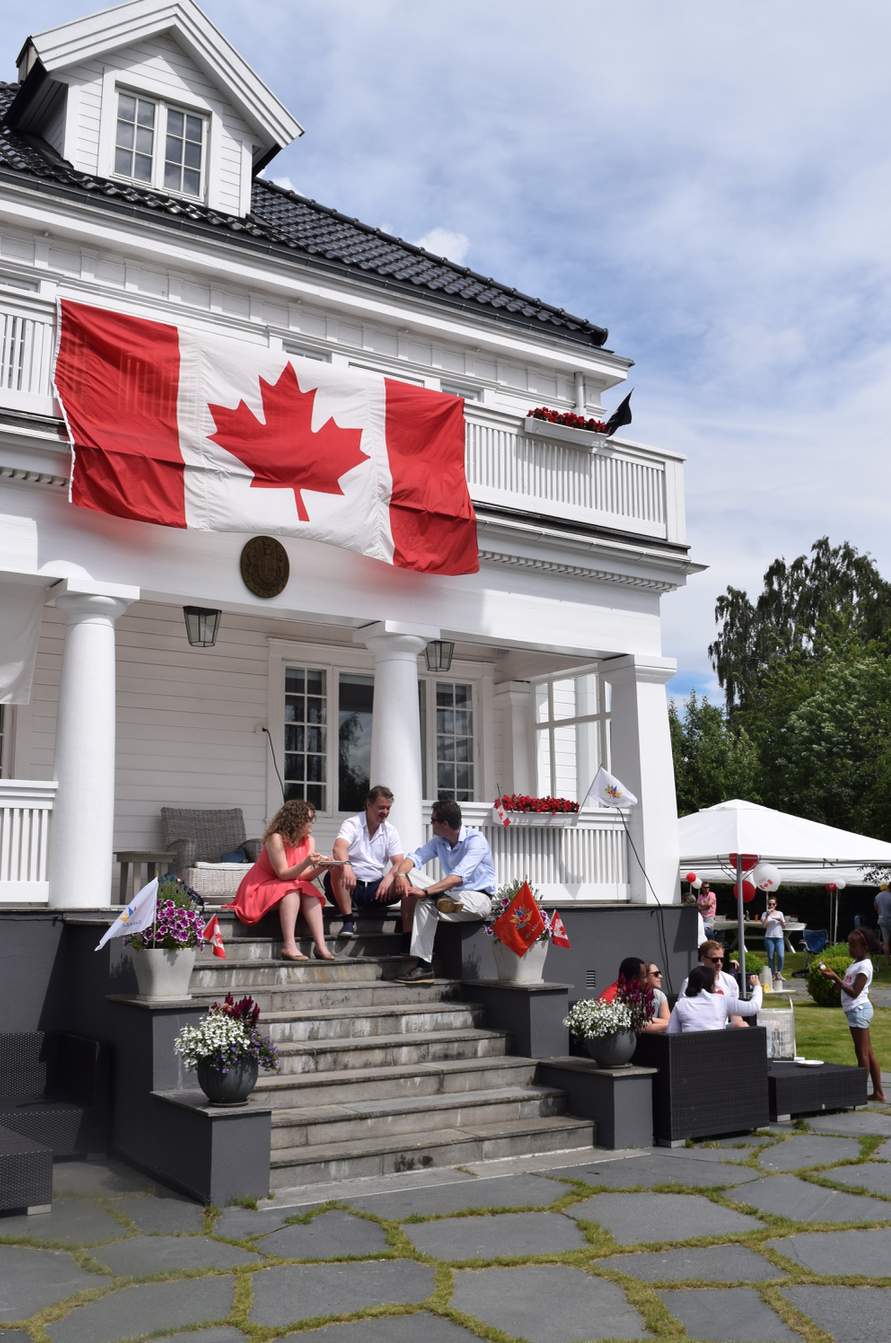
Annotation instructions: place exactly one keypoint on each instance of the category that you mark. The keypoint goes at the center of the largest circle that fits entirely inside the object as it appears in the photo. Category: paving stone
(89, 1178)
(852, 1121)
(72, 1222)
(144, 1256)
(508, 1234)
(510, 1191)
(146, 1308)
(723, 1153)
(728, 1315)
(163, 1214)
(546, 1304)
(839, 1253)
(331, 1235)
(788, 1196)
(392, 1329)
(14, 1336)
(293, 1292)
(883, 1153)
(221, 1335)
(808, 1150)
(872, 1175)
(647, 1217)
(660, 1168)
(716, 1263)
(241, 1223)
(32, 1279)
(848, 1314)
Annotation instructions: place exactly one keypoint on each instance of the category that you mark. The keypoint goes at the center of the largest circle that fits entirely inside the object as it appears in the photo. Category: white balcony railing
(25, 817)
(27, 334)
(586, 861)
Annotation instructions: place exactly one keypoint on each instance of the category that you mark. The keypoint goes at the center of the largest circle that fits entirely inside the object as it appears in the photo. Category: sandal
(293, 956)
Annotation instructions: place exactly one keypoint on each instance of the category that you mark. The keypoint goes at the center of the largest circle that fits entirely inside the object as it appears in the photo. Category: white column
(83, 816)
(396, 721)
(641, 757)
(514, 699)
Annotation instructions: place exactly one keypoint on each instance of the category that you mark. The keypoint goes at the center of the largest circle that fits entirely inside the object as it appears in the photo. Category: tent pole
(739, 921)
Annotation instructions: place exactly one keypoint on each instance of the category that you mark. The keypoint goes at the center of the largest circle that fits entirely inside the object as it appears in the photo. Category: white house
(131, 149)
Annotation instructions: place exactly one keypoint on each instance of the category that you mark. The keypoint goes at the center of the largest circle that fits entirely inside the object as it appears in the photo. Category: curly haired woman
(282, 876)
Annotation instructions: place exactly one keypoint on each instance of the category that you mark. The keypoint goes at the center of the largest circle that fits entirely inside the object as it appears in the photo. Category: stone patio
(764, 1240)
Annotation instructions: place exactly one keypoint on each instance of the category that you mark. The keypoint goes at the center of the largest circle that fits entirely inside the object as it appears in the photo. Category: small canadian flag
(213, 935)
(502, 814)
(558, 932)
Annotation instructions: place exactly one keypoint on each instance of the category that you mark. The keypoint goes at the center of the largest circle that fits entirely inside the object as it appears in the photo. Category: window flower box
(556, 820)
(579, 438)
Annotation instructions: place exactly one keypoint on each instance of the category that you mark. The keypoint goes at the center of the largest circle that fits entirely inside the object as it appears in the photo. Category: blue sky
(710, 181)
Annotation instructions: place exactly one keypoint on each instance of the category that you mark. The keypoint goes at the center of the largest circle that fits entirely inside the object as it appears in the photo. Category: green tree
(713, 761)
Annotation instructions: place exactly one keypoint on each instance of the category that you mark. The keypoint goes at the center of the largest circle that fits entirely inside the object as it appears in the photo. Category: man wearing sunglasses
(712, 954)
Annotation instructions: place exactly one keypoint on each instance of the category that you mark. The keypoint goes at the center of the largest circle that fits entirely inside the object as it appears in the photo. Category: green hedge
(755, 962)
(824, 992)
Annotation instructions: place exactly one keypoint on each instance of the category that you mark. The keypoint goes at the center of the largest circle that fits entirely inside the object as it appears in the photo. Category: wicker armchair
(203, 836)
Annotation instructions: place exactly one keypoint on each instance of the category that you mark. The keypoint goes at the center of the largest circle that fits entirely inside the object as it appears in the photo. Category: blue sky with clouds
(710, 181)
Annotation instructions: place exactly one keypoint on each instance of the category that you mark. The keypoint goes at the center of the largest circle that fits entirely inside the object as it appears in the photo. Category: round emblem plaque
(264, 566)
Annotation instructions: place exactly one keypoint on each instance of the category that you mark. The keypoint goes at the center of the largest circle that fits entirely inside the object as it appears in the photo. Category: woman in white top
(857, 1007)
(703, 1009)
(774, 926)
(658, 1023)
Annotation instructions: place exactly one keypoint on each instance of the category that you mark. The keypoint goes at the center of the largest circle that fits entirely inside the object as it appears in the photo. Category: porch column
(514, 699)
(83, 816)
(641, 758)
(396, 720)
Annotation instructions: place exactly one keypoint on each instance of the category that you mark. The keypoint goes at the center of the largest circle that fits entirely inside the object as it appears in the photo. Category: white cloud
(284, 182)
(443, 242)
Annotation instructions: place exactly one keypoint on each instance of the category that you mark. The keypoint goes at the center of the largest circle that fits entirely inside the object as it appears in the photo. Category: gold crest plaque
(265, 567)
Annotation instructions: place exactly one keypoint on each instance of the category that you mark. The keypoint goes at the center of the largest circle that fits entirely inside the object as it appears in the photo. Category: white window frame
(603, 717)
(112, 87)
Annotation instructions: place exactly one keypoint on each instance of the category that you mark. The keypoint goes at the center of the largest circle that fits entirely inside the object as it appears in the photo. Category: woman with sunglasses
(658, 1023)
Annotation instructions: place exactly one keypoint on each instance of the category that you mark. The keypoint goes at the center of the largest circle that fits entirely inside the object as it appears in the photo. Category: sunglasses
(719, 960)
(656, 973)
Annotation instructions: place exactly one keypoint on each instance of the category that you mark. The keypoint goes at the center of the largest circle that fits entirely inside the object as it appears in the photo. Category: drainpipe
(579, 393)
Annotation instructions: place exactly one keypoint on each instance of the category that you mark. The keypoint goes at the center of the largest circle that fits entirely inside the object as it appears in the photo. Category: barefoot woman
(858, 1009)
(282, 876)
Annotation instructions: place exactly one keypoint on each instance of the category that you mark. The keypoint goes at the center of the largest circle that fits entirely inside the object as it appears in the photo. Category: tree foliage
(712, 760)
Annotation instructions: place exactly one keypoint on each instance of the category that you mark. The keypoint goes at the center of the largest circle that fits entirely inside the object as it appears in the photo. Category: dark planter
(231, 1088)
(613, 1051)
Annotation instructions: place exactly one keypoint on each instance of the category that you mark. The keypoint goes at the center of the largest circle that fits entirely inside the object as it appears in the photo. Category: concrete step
(240, 949)
(356, 1121)
(395, 1082)
(218, 975)
(437, 1147)
(344, 1022)
(292, 997)
(386, 1051)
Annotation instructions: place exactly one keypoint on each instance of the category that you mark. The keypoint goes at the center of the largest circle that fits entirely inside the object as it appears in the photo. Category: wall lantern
(202, 624)
(438, 655)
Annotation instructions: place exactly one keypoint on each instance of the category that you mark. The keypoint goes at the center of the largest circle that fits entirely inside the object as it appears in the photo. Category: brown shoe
(422, 974)
(445, 905)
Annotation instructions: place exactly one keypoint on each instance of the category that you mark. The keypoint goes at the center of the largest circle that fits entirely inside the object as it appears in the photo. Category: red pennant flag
(213, 935)
(521, 923)
(558, 932)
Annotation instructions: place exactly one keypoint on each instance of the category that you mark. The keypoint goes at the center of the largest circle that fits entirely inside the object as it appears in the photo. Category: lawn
(822, 1033)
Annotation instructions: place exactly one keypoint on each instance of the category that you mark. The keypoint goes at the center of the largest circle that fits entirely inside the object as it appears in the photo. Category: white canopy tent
(806, 853)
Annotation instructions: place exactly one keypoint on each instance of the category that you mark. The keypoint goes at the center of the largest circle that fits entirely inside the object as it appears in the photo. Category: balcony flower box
(556, 820)
(579, 438)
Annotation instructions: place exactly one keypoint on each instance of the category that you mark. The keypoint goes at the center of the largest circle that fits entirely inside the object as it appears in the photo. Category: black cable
(659, 905)
(275, 764)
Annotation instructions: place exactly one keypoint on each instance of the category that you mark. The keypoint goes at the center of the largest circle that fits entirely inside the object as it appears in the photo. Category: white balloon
(697, 883)
(766, 877)
(840, 883)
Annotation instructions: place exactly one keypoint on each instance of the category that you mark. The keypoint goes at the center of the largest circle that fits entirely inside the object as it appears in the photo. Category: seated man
(463, 893)
(711, 955)
(366, 844)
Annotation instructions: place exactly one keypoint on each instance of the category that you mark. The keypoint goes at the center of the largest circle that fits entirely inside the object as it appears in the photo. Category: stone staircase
(379, 1077)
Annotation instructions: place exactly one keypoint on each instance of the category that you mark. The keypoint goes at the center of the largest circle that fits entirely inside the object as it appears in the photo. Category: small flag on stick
(610, 791)
(213, 935)
(502, 814)
(137, 916)
(521, 923)
(558, 932)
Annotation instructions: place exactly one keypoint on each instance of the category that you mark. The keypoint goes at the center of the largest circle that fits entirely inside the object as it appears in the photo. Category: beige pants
(477, 905)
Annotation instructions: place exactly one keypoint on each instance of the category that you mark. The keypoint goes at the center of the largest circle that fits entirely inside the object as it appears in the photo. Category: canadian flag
(213, 935)
(172, 426)
(559, 936)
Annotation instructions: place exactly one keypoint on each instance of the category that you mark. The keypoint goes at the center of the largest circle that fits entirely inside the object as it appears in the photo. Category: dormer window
(143, 124)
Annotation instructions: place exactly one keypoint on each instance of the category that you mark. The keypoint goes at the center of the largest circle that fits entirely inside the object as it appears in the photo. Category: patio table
(754, 928)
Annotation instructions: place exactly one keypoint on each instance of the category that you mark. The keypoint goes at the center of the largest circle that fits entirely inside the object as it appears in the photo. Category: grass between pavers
(600, 1244)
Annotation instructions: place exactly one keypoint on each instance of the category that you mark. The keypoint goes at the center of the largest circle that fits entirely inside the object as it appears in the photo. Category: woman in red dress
(282, 876)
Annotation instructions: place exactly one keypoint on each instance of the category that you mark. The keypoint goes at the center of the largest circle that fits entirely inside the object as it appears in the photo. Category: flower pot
(232, 1087)
(520, 969)
(613, 1051)
(164, 974)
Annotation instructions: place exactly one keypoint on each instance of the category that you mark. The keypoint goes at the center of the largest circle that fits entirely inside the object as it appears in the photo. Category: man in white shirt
(370, 850)
(712, 953)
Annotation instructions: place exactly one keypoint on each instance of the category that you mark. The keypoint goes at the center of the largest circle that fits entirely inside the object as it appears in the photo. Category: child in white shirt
(857, 1007)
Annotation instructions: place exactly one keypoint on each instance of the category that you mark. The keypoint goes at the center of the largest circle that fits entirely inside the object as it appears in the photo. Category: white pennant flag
(610, 791)
(138, 914)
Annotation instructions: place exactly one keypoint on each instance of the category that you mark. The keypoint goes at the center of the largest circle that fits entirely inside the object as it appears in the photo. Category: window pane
(355, 705)
(191, 182)
(564, 762)
(126, 107)
(305, 769)
(543, 753)
(454, 741)
(146, 113)
(192, 155)
(125, 135)
(142, 168)
(541, 704)
(587, 758)
(445, 720)
(122, 162)
(171, 177)
(174, 123)
(144, 140)
(194, 128)
(445, 694)
(564, 699)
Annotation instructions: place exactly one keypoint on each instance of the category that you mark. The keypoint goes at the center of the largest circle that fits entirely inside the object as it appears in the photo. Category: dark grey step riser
(218, 978)
(320, 997)
(239, 950)
(321, 1089)
(295, 1172)
(358, 1027)
(369, 1055)
(465, 1115)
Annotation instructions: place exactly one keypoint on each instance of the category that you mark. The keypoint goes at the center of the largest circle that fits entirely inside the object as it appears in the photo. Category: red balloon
(691, 876)
(831, 886)
(748, 892)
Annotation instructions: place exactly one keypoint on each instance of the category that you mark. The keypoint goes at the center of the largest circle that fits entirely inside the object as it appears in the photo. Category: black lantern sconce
(202, 624)
(438, 655)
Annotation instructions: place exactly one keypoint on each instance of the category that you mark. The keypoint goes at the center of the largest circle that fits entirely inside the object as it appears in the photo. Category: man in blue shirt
(462, 895)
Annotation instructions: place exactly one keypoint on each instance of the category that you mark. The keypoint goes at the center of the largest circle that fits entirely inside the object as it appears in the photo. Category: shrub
(755, 962)
(823, 991)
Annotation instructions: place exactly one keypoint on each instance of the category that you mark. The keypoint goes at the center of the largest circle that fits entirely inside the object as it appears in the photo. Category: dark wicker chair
(194, 835)
(708, 1082)
(26, 1174)
(54, 1090)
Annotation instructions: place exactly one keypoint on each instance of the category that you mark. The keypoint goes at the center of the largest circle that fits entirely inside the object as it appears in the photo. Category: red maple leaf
(285, 452)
